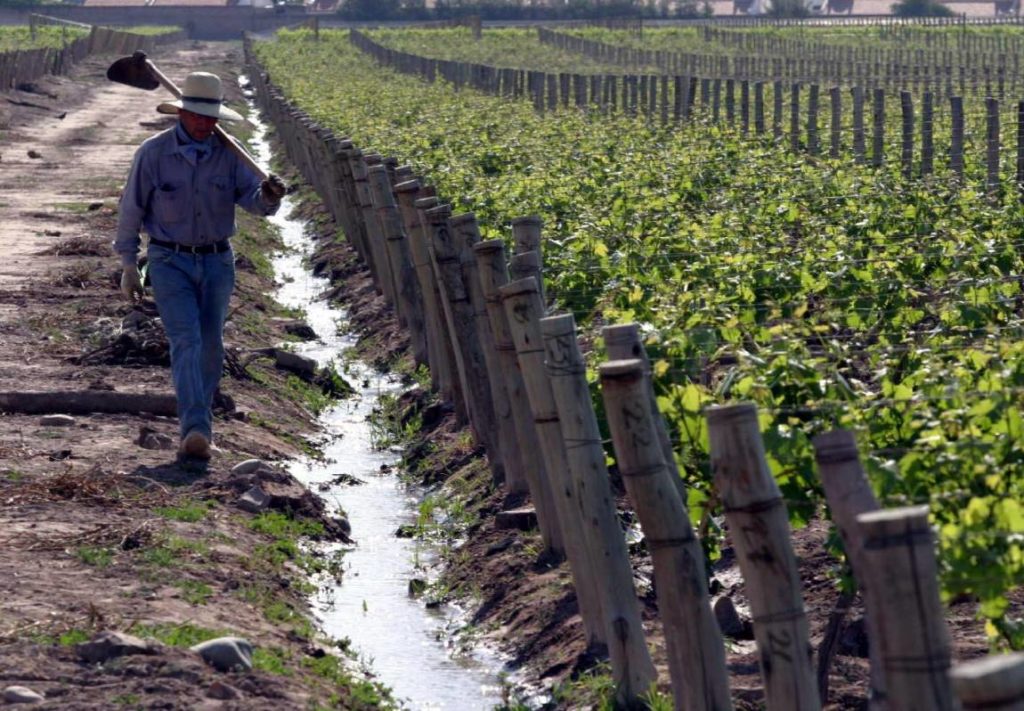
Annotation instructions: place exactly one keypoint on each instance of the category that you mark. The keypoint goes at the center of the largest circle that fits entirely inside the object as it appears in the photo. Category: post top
(376, 169)
(409, 186)
(835, 446)
(519, 287)
(725, 414)
(558, 325)
(487, 246)
(462, 218)
(425, 203)
(391, 162)
(372, 158)
(439, 212)
(630, 369)
(527, 220)
(627, 333)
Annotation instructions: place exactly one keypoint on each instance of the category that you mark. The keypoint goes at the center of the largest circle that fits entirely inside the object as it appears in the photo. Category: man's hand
(273, 189)
(131, 283)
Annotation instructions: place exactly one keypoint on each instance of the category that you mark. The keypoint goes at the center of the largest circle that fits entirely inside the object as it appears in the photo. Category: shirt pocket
(169, 204)
(222, 205)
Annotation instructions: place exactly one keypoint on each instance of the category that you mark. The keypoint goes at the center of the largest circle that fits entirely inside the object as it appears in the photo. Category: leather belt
(216, 248)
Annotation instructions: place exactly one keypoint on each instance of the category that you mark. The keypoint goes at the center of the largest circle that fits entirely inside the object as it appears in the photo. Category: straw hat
(201, 94)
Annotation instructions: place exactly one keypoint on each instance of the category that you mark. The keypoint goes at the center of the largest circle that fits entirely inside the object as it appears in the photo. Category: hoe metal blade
(133, 71)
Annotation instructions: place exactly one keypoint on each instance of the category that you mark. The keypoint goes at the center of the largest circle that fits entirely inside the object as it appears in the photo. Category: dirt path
(99, 528)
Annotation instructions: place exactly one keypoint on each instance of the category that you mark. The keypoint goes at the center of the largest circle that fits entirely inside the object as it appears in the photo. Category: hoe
(138, 71)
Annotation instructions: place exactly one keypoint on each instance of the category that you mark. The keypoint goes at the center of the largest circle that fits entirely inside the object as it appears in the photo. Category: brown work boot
(195, 446)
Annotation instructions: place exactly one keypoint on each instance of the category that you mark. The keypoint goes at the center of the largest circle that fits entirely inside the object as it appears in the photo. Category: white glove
(131, 283)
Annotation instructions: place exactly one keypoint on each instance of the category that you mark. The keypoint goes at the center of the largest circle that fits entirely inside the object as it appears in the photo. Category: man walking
(182, 189)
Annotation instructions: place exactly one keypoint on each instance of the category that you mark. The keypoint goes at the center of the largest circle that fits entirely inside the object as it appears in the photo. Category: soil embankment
(100, 529)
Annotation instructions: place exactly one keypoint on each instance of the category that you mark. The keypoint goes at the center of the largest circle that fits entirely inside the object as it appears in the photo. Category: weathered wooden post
(899, 560)
(408, 192)
(452, 384)
(992, 146)
(849, 494)
(461, 331)
(696, 651)
(410, 307)
(365, 205)
(878, 135)
(992, 683)
(493, 275)
(812, 120)
(1020, 147)
(777, 110)
(927, 134)
(956, 141)
(759, 108)
(835, 127)
(759, 526)
(794, 117)
(507, 443)
(907, 145)
(859, 143)
(555, 496)
(609, 556)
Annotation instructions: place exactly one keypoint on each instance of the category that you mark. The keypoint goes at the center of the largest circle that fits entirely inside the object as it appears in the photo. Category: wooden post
(849, 494)
(907, 144)
(794, 117)
(622, 342)
(878, 135)
(696, 651)
(859, 150)
(555, 496)
(631, 663)
(992, 146)
(927, 133)
(956, 142)
(365, 205)
(493, 275)
(759, 108)
(759, 526)
(466, 230)
(745, 107)
(899, 559)
(835, 129)
(992, 683)
(812, 120)
(452, 387)
(410, 305)
(408, 193)
(777, 110)
(460, 330)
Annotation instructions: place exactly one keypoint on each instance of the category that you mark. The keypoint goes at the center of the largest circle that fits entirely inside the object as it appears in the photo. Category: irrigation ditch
(409, 643)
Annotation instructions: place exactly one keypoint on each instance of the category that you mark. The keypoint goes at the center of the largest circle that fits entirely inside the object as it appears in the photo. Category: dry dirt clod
(110, 645)
(226, 653)
(223, 692)
(57, 421)
(35, 154)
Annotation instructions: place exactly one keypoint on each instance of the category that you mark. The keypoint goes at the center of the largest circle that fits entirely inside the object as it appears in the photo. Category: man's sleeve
(132, 209)
(248, 194)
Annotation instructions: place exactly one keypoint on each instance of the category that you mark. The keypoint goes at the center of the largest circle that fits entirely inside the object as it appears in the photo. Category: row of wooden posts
(21, 66)
(945, 71)
(517, 378)
(856, 118)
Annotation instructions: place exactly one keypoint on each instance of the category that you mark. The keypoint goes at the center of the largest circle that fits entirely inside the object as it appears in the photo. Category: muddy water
(404, 644)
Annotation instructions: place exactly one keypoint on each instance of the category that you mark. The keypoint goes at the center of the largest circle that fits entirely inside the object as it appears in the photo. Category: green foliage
(22, 38)
(95, 556)
(279, 525)
(195, 592)
(830, 294)
(188, 512)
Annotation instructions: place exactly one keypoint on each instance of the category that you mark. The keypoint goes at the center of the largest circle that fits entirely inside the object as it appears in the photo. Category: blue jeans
(192, 292)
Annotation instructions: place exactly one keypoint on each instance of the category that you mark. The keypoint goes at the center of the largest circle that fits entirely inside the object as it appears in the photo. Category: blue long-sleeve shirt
(179, 197)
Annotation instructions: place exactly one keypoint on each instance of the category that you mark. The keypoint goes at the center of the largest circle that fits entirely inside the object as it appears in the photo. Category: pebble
(249, 466)
(21, 695)
(223, 692)
(109, 644)
(57, 421)
(254, 500)
(226, 653)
